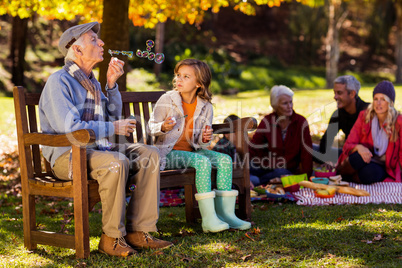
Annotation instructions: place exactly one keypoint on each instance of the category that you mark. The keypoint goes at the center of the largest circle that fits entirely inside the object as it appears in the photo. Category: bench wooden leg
(189, 192)
(244, 211)
(81, 207)
(29, 220)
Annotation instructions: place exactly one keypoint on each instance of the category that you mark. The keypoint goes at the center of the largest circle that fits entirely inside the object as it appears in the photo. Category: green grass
(283, 235)
(7, 115)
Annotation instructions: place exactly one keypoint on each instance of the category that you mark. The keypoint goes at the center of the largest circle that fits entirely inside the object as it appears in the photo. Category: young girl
(180, 122)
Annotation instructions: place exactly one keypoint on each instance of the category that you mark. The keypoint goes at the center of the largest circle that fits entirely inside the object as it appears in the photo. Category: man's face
(92, 50)
(342, 96)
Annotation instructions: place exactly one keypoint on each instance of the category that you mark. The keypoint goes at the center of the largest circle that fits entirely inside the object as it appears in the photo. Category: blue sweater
(61, 107)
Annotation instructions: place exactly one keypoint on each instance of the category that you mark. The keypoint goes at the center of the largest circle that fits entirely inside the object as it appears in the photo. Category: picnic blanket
(381, 192)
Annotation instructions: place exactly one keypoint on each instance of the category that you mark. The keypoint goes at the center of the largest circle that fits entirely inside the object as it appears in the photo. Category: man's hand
(168, 124)
(124, 126)
(114, 71)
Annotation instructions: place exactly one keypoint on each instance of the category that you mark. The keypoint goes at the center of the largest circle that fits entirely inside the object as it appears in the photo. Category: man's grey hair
(350, 82)
(70, 56)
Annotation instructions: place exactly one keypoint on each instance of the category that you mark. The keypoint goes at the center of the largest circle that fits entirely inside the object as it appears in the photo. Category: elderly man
(349, 104)
(72, 99)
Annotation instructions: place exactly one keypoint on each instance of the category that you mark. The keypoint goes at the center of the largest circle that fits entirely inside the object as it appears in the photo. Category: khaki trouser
(125, 164)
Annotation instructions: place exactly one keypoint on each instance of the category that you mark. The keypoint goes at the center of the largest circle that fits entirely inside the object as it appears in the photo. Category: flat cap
(72, 34)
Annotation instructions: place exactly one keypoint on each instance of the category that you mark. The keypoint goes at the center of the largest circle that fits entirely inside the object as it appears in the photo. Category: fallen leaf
(378, 237)
(157, 253)
(331, 255)
(184, 233)
(81, 264)
(256, 231)
(244, 258)
(339, 219)
(246, 234)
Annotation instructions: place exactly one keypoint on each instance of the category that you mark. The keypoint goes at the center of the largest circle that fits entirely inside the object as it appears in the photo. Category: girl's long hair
(390, 120)
(203, 75)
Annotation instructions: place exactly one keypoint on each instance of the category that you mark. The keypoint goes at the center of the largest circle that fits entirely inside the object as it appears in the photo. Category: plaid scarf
(92, 106)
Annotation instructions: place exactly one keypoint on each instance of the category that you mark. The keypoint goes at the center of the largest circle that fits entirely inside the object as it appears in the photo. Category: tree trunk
(332, 43)
(114, 32)
(159, 41)
(330, 46)
(17, 50)
(398, 43)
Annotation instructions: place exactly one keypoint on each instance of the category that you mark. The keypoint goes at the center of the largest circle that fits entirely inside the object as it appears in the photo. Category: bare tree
(332, 41)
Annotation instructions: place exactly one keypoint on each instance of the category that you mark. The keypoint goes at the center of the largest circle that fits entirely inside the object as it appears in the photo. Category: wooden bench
(37, 178)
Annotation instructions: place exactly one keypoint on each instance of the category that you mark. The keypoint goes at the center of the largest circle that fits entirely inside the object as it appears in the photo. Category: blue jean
(262, 176)
(368, 172)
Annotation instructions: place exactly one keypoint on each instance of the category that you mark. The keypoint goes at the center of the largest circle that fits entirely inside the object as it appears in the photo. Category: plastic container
(292, 188)
(320, 180)
(325, 174)
(323, 196)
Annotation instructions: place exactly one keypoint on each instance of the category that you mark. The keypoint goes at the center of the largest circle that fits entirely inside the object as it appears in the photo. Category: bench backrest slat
(141, 102)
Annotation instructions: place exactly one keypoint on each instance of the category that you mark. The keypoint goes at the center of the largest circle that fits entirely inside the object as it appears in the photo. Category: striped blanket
(382, 192)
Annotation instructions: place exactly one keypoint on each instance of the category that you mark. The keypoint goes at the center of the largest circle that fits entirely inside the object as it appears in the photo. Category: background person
(281, 141)
(349, 105)
(373, 150)
(72, 99)
(182, 143)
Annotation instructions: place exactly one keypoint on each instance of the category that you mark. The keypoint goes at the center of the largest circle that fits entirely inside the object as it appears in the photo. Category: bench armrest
(81, 138)
(240, 129)
(245, 124)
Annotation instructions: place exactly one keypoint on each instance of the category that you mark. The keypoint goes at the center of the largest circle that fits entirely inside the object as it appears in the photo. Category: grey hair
(276, 92)
(351, 83)
(70, 56)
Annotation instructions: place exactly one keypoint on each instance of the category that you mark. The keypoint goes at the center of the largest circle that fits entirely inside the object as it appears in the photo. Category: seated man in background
(349, 105)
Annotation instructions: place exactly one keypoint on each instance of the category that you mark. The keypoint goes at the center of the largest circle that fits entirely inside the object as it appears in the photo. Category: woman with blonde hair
(373, 150)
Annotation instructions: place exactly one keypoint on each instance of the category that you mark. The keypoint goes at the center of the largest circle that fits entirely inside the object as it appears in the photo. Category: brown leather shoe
(115, 246)
(142, 240)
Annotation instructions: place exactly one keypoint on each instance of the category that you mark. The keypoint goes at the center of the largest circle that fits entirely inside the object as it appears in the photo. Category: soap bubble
(132, 187)
(114, 167)
(159, 58)
(138, 53)
(150, 43)
(145, 54)
(151, 56)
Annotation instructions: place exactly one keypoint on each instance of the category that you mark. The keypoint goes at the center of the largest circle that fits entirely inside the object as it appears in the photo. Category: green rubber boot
(210, 222)
(225, 202)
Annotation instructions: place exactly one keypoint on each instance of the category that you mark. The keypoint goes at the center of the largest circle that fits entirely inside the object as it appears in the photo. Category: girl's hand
(364, 152)
(207, 134)
(168, 124)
